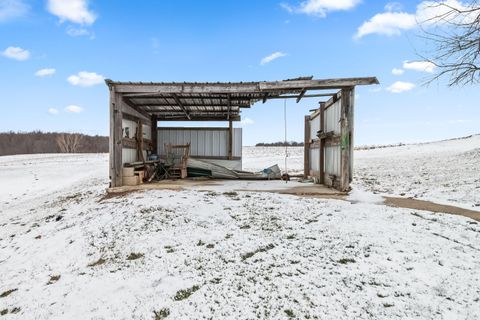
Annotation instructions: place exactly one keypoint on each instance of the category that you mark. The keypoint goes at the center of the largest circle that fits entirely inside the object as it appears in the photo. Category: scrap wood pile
(138, 172)
(177, 164)
(200, 168)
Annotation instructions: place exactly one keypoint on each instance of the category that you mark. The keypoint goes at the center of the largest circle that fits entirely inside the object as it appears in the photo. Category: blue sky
(55, 54)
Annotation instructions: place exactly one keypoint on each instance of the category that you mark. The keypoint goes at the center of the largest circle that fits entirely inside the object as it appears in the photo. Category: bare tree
(69, 142)
(453, 28)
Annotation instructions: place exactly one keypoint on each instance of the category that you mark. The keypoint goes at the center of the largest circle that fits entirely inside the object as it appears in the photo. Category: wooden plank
(180, 104)
(117, 139)
(345, 141)
(154, 135)
(194, 128)
(322, 144)
(333, 99)
(198, 118)
(139, 138)
(306, 148)
(192, 105)
(240, 87)
(300, 96)
(338, 83)
(351, 123)
(134, 107)
(230, 140)
(131, 143)
(131, 117)
(111, 144)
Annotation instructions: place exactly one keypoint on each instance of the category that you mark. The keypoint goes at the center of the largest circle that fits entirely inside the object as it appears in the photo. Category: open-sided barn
(137, 109)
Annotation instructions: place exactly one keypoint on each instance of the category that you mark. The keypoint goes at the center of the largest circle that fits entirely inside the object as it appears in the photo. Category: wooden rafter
(180, 104)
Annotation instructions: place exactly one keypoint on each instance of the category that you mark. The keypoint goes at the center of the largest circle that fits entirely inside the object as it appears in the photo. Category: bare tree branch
(455, 36)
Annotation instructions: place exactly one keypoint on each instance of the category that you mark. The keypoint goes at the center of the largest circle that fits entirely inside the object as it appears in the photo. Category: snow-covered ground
(446, 172)
(211, 252)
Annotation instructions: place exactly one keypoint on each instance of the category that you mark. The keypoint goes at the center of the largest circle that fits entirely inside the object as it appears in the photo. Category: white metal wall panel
(314, 127)
(132, 128)
(237, 142)
(315, 159)
(130, 155)
(203, 142)
(332, 117)
(332, 160)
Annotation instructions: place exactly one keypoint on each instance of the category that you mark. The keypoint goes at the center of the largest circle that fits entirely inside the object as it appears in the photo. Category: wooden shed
(141, 106)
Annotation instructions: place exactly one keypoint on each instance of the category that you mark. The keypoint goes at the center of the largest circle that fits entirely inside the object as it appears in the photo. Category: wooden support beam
(131, 117)
(306, 149)
(239, 87)
(300, 96)
(194, 105)
(154, 134)
(345, 144)
(230, 140)
(316, 95)
(229, 104)
(207, 118)
(180, 104)
(265, 97)
(134, 107)
(322, 144)
(116, 132)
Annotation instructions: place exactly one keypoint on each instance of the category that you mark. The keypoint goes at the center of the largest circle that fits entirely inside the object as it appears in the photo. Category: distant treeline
(50, 142)
(280, 144)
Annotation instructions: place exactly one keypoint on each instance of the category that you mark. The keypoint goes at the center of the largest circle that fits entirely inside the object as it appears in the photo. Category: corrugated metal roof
(216, 100)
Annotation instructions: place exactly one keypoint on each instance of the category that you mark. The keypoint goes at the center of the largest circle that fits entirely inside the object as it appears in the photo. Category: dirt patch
(431, 206)
(310, 191)
(7, 293)
(97, 263)
(116, 194)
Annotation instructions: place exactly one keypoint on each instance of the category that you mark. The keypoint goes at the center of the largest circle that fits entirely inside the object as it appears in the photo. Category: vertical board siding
(332, 117)
(203, 142)
(314, 127)
(130, 155)
(315, 159)
(332, 160)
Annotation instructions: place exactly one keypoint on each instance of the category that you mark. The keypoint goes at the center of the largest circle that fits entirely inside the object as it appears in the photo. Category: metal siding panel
(209, 143)
(223, 143)
(237, 142)
(315, 159)
(314, 127)
(201, 143)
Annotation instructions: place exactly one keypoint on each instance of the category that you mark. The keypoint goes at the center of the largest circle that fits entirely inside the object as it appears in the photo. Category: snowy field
(212, 252)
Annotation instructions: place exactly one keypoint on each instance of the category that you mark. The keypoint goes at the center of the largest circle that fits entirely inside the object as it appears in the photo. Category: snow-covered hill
(68, 253)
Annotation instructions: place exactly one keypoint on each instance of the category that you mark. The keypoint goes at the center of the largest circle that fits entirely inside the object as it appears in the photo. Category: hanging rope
(286, 144)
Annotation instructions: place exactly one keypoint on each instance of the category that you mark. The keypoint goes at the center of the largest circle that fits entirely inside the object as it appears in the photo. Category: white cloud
(11, 9)
(16, 53)
(397, 72)
(387, 23)
(272, 57)
(401, 86)
(247, 122)
(428, 13)
(52, 111)
(45, 72)
(440, 12)
(393, 6)
(422, 66)
(85, 79)
(321, 7)
(75, 11)
(79, 32)
(73, 109)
